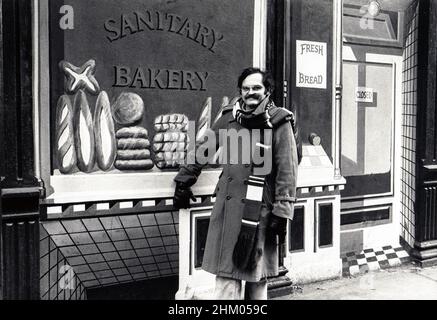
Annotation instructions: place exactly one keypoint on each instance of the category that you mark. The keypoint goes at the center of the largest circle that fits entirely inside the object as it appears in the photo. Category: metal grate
(118, 249)
(409, 120)
(52, 263)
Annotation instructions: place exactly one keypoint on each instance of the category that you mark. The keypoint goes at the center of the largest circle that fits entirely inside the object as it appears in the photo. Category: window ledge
(123, 186)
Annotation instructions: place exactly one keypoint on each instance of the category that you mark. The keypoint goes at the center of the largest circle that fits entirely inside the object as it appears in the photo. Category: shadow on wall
(348, 165)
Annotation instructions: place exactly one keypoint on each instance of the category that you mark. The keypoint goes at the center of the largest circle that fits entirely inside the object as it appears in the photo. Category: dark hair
(268, 81)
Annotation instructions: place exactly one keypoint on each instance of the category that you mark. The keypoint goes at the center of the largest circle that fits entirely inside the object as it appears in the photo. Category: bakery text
(153, 78)
(139, 21)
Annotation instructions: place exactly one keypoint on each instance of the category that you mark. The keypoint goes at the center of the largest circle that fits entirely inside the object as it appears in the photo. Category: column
(19, 189)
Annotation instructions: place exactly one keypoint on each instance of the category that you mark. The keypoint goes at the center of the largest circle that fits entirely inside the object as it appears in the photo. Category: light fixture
(374, 8)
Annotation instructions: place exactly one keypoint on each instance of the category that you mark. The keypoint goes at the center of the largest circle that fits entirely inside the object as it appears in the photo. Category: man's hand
(182, 196)
(277, 226)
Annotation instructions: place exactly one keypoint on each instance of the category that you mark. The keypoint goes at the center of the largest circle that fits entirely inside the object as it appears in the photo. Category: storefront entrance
(367, 129)
(371, 127)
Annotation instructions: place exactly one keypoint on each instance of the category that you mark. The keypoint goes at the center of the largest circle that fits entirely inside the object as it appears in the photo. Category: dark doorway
(154, 289)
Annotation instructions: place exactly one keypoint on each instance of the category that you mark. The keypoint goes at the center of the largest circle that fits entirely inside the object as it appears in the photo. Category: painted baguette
(104, 132)
(65, 150)
(83, 133)
(204, 120)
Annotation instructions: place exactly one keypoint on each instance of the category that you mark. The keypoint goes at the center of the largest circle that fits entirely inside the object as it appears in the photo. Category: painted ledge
(123, 186)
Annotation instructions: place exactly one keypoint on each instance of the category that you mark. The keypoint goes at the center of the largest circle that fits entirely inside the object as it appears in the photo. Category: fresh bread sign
(311, 64)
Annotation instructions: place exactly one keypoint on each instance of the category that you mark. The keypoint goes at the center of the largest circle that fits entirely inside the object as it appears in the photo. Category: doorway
(367, 127)
(370, 145)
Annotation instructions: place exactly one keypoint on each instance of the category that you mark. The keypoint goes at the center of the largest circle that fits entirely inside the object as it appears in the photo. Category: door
(367, 129)
(370, 126)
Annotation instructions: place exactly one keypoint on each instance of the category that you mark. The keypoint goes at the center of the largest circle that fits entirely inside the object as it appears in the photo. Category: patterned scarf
(257, 118)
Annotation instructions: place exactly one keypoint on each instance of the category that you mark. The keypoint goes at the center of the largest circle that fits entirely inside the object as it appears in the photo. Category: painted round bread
(128, 108)
(83, 133)
(104, 132)
(65, 151)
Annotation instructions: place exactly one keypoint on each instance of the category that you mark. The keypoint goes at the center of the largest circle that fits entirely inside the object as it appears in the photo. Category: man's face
(253, 90)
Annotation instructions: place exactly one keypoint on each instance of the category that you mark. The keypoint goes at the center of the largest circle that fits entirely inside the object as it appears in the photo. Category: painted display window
(126, 79)
(124, 87)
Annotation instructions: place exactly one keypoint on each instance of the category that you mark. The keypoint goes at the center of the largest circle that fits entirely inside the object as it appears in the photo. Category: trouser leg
(256, 290)
(227, 289)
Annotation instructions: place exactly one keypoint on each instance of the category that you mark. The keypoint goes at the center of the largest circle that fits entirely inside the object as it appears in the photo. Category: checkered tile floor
(373, 259)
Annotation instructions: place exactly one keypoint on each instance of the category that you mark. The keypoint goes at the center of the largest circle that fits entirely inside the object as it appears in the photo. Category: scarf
(265, 116)
(257, 118)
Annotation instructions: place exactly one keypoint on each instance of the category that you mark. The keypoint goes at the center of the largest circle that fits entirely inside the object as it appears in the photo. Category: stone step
(279, 282)
(281, 285)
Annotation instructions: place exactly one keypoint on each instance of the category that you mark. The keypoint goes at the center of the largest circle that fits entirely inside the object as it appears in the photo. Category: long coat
(225, 222)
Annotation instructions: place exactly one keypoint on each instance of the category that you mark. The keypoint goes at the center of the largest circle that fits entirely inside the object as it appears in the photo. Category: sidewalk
(407, 282)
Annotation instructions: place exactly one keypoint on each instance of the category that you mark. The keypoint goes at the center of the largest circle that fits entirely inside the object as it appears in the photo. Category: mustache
(254, 96)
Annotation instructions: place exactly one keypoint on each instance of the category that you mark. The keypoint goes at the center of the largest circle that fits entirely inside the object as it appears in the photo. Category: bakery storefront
(100, 100)
(124, 81)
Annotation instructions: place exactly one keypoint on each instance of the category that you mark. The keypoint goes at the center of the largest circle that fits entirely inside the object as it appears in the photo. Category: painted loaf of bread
(173, 121)
(65, 150)
(104, 133)
(170, 140)
(83, 133)
(128, 108)
(204, 120)
(133, 149)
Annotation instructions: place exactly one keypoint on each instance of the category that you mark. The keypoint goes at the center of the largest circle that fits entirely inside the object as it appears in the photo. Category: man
(252, 206)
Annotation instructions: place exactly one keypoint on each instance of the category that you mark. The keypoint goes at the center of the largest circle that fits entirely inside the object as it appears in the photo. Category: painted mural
(125, 80)
(111, 136)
